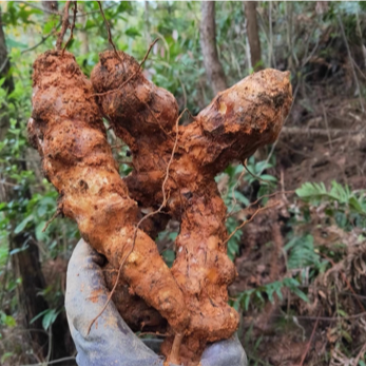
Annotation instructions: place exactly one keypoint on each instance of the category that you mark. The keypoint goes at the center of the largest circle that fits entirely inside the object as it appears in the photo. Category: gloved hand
(111, 341)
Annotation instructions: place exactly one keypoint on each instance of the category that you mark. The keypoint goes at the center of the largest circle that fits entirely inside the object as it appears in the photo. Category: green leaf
(18, 250)
(342, 313)
(40, 235)
(238, 169)
(5, 356)
(308, 190)
(300, 294)
(269, 178)
(3, 252)
(8, 320)
(261, 166)
(356, 205)
(124, 6)
(292, 284)
(241, 198)
(47, 28)
(132, 32)
(38, 316)
(23, 224)
(49, 318)
(12, 43)
(236, 304)
(169, 257)
(172, 236)
(42, 210)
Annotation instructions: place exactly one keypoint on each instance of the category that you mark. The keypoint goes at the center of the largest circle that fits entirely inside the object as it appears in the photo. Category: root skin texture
(237, 122)
(68, 131)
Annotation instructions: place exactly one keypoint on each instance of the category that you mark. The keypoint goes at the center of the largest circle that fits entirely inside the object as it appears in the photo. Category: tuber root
(69, 134)
(236, 123)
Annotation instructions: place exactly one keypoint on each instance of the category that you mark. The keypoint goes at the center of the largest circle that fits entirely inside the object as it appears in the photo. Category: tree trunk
(213, 67)
(253, 35)
(8, 84)
(25, 257)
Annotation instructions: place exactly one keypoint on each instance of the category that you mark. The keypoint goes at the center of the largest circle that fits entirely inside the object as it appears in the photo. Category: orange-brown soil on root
(68, 131)
(136, 313)
(237, 122)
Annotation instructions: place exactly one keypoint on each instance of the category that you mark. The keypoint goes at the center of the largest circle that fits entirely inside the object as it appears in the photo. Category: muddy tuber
(237, 122)
(67, 129)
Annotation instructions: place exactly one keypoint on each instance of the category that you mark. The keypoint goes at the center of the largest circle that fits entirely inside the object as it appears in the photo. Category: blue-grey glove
(111, 341)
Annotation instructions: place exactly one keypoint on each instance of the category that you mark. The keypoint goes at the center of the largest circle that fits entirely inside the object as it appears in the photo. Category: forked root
(237, 122)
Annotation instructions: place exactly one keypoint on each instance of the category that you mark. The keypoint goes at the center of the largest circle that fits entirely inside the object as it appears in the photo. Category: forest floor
(323, 141)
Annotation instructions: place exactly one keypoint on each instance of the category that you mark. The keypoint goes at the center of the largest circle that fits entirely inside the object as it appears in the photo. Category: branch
(65, 24)
(110, 40)
(72, 27)
(249, 220)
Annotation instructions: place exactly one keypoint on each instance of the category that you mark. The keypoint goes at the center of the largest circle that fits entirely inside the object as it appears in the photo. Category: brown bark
(253, 34)
(213, 67)
(8, 85)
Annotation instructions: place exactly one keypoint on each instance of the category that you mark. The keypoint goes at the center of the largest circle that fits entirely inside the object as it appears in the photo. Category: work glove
(110, 341)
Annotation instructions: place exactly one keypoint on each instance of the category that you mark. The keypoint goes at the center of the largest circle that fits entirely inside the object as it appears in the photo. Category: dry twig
(72, 27)
(249, 220)
(57, 213)
(260, 198)
(65, 24)
(110, 40)
(309, 343)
